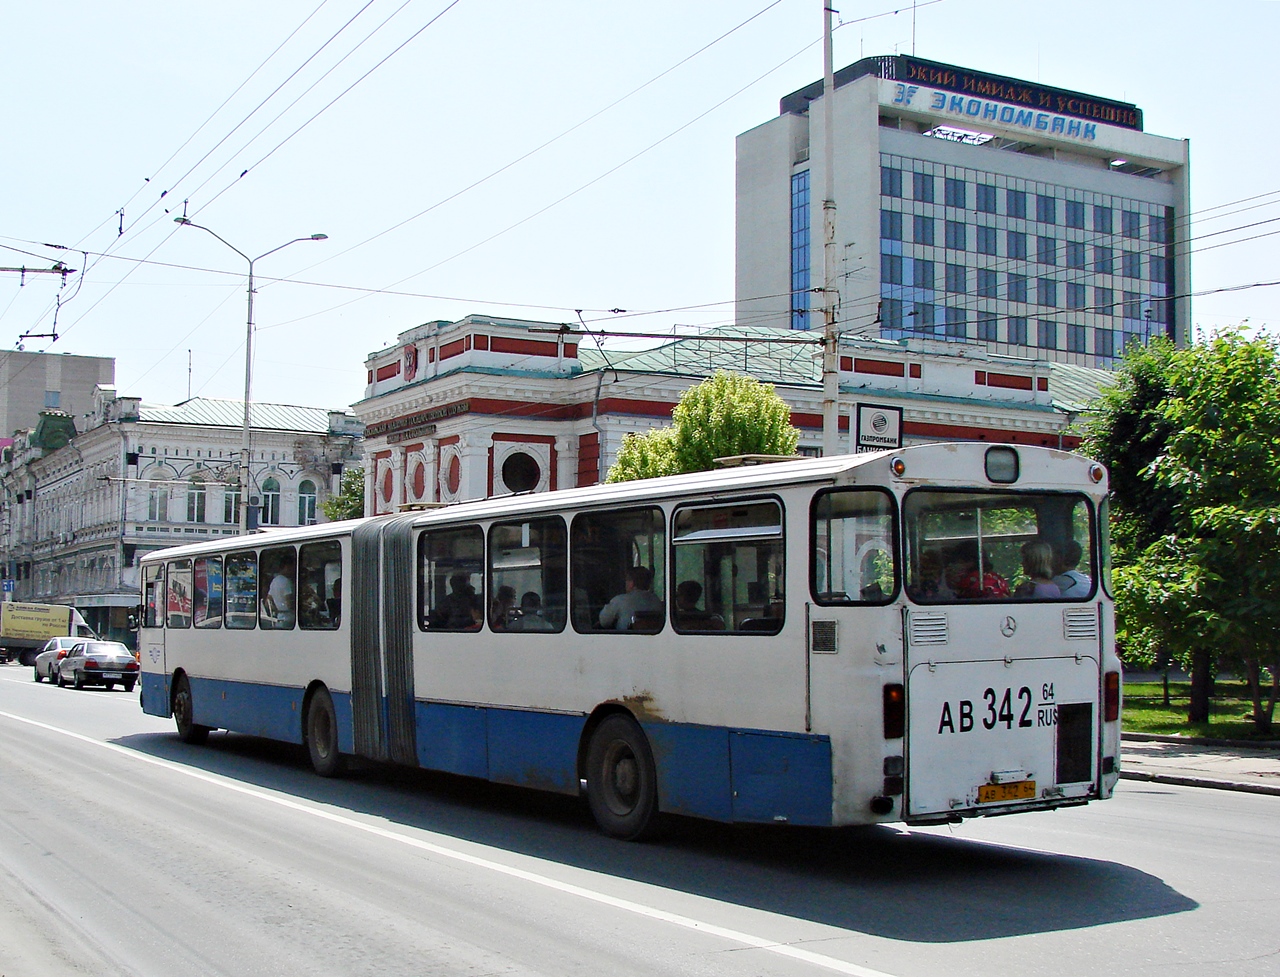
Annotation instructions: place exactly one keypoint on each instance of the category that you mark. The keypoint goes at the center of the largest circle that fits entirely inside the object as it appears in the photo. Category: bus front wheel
(322, 734)
(622, 785)
(188, 731)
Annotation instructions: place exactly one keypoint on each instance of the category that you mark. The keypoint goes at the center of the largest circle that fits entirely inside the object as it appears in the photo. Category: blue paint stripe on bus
(272, 711)
(155, 694)
(703, 771)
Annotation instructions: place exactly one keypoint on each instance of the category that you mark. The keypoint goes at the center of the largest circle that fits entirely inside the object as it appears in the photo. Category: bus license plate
(1022, 790)
(112, 675)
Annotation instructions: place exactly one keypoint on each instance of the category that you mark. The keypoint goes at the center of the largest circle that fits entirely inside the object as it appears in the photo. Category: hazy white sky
(108, 103)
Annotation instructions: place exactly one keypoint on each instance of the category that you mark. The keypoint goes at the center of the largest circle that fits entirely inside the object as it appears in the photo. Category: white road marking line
(626, 905)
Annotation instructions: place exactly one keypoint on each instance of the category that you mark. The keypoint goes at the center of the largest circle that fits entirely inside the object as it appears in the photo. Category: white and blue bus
(920, 635)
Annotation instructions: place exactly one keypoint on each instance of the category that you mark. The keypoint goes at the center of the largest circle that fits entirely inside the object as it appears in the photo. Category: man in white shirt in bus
(1071, 581)
(638, 598)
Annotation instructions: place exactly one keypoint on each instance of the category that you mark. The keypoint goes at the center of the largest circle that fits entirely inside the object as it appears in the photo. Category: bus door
(1002, 672)
(151, 653)
(382, 620)
(854, 628)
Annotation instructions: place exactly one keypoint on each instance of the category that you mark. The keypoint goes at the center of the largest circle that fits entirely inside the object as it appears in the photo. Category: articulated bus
(921, 635)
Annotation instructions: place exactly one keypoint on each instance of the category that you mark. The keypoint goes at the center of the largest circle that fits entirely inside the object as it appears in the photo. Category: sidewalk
(1226, 765)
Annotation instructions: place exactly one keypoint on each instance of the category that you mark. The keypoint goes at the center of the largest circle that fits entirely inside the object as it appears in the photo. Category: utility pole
(830, 353)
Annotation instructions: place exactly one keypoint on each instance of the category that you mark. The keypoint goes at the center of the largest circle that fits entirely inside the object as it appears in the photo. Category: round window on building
(520, 473)
(453, 477)
(388, 485)
(419, 481)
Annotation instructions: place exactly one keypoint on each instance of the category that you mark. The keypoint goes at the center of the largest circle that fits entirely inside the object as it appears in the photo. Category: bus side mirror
(135, 616)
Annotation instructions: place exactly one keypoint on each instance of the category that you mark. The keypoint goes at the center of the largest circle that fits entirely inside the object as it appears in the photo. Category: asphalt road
(123, 851)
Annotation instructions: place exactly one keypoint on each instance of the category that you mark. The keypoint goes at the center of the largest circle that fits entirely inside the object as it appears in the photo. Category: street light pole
(248, 358)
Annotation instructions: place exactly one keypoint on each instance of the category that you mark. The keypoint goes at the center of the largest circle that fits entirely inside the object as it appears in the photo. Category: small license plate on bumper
(112, 675)
(1022, 790)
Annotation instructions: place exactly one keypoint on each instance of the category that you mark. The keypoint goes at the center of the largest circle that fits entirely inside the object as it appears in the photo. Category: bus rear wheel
(322, 735)
(622, 785)
(188, 731)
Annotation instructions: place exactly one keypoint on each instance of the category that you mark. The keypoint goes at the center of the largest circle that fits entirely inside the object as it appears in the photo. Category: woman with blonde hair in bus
(1037, 564)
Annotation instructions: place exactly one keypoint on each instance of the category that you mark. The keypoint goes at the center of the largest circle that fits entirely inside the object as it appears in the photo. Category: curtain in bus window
(178, 597)
(451, 579)
(852, 547)
(206, 597)
(1001, 546)
(619, 570)
(278, 588)
(736, 555)
(242, 590)
(527, 568)
(153, 586)
(320, 586)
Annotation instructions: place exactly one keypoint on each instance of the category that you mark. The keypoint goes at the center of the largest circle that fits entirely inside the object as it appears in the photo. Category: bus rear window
(998, 546)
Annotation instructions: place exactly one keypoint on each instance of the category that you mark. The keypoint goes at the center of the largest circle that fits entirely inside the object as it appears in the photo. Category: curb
(1235, 785)
(1200, 741)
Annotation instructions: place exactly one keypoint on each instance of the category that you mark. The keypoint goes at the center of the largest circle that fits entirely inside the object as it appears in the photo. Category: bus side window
(278, 586)
(618, 569)
(242, 591)
(852, 547)
(451, 579)
(320, 586)
(153, 597)
(178, 596)
(206, 594)
(736, 554)
(527, 575)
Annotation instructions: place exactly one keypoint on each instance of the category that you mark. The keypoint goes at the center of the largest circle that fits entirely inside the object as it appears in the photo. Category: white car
(106, 663)
(49, 657)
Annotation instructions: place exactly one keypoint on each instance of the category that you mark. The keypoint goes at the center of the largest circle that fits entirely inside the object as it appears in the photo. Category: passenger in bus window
(638, 598)
(334, 603)
(278, 604)
(460, 609)
(1037, 564)
(964, 579)
(688, 615)
(531, 618)
(503, 610)
(1071, 581)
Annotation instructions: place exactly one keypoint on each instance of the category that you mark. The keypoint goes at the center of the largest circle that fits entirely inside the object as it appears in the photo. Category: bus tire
(622, 784)
(322, 734)
(188, 731)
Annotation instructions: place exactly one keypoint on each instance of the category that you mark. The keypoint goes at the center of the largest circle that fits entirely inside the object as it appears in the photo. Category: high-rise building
(970, 207)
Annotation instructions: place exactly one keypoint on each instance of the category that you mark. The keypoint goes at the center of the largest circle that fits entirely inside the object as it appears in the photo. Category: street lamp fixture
(248, 357)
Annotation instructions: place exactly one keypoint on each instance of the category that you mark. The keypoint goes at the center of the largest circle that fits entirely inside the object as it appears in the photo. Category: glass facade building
(1015, 250)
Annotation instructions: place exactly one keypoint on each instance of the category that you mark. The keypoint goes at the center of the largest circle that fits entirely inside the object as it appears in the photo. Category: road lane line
(687, 922)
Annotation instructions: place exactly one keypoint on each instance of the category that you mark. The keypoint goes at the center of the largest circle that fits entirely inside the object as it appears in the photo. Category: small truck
(24, 628)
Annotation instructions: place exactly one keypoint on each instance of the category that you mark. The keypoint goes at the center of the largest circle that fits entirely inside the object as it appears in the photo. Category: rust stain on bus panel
(642, 706)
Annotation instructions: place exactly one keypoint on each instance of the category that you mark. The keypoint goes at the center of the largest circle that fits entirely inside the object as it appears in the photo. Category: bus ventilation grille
(1080, 624)
(929, 629)
(822, 639)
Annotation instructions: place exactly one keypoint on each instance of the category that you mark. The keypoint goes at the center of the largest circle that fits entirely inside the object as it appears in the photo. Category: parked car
(51, 653)
(98, 663)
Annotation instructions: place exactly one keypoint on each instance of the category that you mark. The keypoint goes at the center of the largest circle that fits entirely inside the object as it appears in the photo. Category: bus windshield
(998, 546)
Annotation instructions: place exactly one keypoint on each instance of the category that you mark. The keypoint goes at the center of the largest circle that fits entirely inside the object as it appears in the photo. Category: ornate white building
(80, 507)
(487, 406)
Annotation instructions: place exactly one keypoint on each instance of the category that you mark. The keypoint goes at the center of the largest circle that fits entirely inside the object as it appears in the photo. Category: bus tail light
(895, 712)
(1111, 697)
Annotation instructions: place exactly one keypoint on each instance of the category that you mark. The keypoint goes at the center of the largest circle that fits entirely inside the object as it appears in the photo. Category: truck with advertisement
(24, 628)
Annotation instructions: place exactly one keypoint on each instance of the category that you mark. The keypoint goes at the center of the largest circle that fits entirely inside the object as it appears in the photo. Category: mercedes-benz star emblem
(1008, 626)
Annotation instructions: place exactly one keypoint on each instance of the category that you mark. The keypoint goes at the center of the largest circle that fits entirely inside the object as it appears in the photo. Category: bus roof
(918, 458)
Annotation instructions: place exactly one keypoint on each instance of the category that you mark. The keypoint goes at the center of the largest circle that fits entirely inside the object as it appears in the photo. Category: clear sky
(505, 160)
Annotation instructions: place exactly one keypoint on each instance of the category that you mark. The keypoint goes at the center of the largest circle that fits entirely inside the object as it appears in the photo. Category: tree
(349, 502)
(724, 415)
(1192, 437)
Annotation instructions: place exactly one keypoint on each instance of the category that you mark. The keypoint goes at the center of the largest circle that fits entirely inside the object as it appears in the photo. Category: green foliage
(349, 502)
(724, 415)
(647, 455)
(1192, 438)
